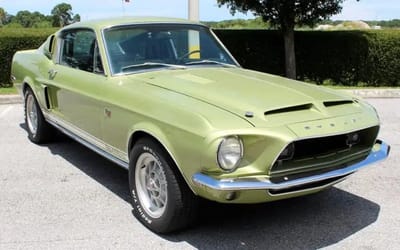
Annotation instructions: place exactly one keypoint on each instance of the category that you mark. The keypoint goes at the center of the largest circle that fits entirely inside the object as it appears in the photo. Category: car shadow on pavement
(308, 222)
(105, 172)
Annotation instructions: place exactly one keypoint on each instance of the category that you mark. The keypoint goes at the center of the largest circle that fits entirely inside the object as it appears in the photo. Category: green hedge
(370, 58)
(12, 40)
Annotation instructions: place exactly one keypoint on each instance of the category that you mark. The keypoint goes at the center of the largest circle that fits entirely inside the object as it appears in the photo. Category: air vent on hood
(289, 109)
(337, 103)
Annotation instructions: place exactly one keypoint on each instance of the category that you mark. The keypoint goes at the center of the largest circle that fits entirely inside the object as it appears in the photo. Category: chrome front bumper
(265, 184)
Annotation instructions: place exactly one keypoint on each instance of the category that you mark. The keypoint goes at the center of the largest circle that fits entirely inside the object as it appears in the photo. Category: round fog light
(352, 139)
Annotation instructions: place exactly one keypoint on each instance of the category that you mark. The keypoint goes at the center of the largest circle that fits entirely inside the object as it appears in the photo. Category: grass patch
(8, 91)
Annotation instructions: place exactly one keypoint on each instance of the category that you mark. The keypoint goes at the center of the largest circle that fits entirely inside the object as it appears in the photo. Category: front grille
(318, 155)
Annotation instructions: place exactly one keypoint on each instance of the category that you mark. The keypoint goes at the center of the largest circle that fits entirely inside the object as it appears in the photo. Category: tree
(76, 18)
(28, 20)
(286, 14)
(5, 18)
(62, 15)
(24, 18)
(8, 19)
(2, 16)
(37, 18)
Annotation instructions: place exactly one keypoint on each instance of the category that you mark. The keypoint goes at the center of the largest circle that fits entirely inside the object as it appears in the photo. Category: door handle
(52, 74)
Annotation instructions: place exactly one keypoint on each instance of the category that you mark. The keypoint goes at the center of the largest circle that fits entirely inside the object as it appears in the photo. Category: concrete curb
(364, 93)
(375, 92)
(10, 99)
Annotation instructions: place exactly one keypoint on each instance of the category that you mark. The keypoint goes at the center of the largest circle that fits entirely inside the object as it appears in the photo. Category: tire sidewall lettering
(30, 133)
(138, 207)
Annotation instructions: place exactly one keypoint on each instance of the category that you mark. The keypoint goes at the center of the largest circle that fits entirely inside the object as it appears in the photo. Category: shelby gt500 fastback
(164, 99)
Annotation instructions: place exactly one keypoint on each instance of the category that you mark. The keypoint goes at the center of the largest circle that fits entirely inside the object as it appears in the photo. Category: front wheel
(161, 199)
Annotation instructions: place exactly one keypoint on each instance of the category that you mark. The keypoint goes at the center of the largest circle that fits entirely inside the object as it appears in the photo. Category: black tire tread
(186, 203)
(45, 132)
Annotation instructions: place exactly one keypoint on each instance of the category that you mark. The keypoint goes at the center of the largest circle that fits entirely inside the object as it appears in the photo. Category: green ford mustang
(164, 99)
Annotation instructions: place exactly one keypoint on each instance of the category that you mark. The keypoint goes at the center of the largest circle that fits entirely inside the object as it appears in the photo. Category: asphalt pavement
(63, 196)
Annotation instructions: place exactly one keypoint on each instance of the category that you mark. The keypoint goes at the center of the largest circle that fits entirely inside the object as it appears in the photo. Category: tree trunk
(290, 57)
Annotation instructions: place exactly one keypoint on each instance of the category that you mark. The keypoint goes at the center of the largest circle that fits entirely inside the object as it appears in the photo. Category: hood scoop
(289, 109)
(337, 103)
(268, 100)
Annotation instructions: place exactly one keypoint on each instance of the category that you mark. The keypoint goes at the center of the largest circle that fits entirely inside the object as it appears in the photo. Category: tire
(161, 199)
(39, 131)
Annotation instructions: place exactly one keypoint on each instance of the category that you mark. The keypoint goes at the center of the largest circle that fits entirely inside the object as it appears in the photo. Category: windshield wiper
(211, 62)
(152, 65)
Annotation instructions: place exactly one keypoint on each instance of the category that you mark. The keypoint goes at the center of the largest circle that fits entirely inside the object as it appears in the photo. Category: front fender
(182, 153)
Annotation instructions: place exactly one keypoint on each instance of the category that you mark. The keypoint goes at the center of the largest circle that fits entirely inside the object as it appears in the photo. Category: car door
(76, 85)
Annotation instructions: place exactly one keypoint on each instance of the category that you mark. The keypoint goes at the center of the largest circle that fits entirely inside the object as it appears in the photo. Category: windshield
(137, 48)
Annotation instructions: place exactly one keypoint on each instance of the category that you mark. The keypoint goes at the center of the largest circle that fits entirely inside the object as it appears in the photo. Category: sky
(209, 10)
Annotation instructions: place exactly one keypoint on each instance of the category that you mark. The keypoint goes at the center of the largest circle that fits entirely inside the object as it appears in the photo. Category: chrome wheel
(161, 199)
(151, 184)
(31, 114)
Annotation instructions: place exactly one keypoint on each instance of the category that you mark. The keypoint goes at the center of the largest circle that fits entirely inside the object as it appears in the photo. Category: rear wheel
(161, 199)
(39, 131)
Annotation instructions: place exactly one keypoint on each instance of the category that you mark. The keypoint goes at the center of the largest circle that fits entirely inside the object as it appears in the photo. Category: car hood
(272, 100)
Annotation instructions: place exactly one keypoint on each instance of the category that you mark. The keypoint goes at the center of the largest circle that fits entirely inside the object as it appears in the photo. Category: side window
(79, 50)
(97, 64)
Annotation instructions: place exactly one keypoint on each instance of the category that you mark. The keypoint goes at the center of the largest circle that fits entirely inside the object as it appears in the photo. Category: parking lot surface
(63, 196)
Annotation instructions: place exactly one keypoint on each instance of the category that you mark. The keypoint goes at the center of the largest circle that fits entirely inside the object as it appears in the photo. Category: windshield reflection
(138, 48)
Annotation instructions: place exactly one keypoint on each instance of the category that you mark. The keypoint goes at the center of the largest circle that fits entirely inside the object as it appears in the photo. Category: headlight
(230, 153)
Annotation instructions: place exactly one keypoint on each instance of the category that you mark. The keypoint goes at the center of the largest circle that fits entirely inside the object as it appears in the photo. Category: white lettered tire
(161, 199)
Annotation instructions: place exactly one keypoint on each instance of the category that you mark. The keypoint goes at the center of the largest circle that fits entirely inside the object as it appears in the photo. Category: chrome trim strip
(99, 146)
(74, 130)
(309, 189)
(90, 145)
(264, 183)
